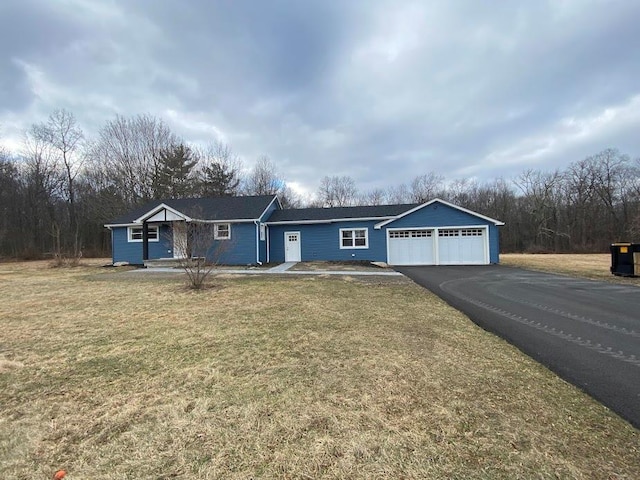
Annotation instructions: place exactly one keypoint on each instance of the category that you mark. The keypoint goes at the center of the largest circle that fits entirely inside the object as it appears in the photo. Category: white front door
(292, 247)
(180, 240)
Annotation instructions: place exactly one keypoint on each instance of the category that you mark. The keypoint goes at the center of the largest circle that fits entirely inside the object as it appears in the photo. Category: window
(354, 238)
(135, 233)
(263, 232)
(471, 232)
(409, 233)
(222, 231)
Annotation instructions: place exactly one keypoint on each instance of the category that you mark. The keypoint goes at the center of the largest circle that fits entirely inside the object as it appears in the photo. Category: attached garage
(439, 246)
(439, 233)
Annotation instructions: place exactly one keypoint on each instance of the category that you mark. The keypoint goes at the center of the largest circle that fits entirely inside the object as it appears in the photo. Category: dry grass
(592, 265)
(116, 375)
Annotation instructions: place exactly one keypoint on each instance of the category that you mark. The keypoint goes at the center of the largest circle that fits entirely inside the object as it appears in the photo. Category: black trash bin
(625, 259)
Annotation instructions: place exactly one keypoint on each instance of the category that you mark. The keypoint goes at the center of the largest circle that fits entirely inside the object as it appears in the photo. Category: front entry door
(180, 240)
(292, 247)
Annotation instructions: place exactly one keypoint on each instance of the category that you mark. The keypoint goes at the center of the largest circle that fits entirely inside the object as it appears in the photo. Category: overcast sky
(381, 90)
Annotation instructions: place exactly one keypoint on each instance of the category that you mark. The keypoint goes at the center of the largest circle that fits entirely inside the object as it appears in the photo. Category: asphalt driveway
(587, 332)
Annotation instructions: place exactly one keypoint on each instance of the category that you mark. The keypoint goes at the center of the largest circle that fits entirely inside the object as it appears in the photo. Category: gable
(438, 213)
(210, 209)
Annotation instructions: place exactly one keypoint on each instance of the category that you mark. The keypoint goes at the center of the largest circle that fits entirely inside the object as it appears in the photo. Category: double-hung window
(135, 233)
(222, 231)
(354, 238)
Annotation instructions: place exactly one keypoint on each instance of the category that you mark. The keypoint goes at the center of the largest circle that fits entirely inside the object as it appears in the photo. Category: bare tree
(219, 172)
(200, 251)
(263, 179)
(425, 187)
(63, 139)
(542, 194)
(377, 196)
(42, 189)
(337, 191)
(129, 151)
(399, 194)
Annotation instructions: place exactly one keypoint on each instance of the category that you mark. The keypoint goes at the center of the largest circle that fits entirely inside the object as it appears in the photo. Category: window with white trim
(222, 231)
(354, 238)
(134, 234)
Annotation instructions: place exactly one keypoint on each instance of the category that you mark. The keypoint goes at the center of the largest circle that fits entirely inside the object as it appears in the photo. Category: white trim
(155, 210)
(268, 246)
(233, 220)
(462, 209)
(354, 247)
(115, 225)
(436, 239)
(216, 236)
(331, 220)
(258, 242)
(275, 197)
(133, 240)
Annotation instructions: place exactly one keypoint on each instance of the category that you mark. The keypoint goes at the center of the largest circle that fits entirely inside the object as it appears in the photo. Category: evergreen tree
(173, 177)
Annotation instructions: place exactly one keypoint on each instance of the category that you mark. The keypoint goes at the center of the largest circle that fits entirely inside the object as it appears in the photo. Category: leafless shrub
(198, 251)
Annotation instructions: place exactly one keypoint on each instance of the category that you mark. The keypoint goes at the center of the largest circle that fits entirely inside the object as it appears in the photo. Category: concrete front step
(163, 263)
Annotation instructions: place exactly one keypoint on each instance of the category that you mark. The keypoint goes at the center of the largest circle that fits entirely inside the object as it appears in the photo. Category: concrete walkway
(282, 269)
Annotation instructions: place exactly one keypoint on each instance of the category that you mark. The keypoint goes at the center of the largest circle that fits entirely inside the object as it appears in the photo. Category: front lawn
(125, 375)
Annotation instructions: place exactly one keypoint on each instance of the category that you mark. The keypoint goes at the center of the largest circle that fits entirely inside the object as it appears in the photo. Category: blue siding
(241, 249)
(272, 208)
(322, 242)
(440, 215)
(125, 251)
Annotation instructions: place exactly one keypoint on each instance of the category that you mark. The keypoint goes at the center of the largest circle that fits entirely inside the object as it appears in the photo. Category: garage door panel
(410, 247)
(464, 246)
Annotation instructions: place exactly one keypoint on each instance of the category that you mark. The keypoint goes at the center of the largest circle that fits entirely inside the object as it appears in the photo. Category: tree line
(61, 187)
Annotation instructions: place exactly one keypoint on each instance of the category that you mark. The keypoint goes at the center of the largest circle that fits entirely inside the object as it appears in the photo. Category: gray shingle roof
(324, 214)
(213, 208)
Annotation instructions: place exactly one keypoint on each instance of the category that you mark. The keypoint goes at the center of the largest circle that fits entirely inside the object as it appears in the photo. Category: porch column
(145, 241)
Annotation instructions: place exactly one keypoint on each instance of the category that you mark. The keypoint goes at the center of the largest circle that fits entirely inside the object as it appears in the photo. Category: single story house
(256, 230)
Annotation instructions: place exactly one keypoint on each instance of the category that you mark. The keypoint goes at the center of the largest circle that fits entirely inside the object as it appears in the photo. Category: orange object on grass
(59, 475)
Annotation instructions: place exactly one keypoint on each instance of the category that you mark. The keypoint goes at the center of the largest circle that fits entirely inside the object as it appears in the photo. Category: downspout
(257, 222)
(266, 235)
(145, 241)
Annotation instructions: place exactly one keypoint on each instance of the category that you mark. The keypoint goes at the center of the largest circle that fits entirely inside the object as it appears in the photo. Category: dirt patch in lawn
(593, 265)
(110, 376)
(339, 267)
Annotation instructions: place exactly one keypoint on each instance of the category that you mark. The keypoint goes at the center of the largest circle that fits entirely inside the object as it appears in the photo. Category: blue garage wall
(125, 251)
(322, 242)
(440, 215)
(494, 244)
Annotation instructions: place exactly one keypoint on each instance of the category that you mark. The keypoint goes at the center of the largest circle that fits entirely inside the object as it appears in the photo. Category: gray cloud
(379, 90)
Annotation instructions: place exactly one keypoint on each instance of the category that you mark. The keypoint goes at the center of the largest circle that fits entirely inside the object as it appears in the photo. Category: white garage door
(462, 246)
(410, 247)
